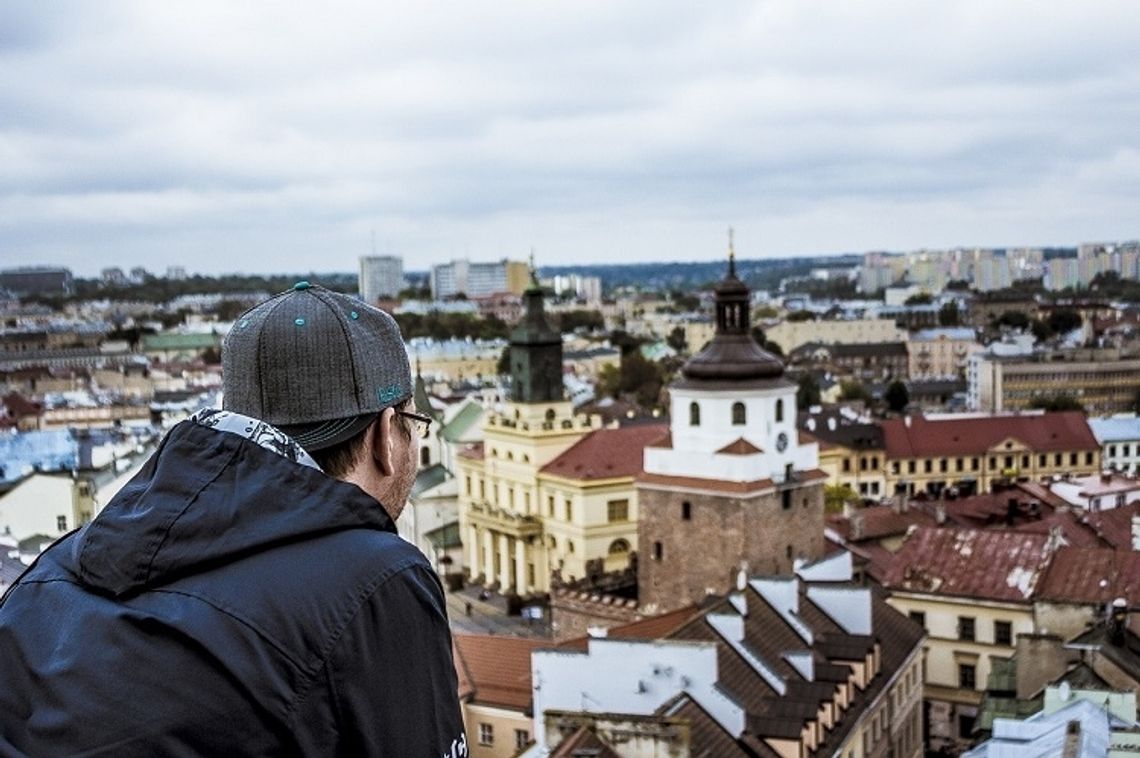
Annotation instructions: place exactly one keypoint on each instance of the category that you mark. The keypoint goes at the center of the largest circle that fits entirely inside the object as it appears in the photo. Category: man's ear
(382, 441)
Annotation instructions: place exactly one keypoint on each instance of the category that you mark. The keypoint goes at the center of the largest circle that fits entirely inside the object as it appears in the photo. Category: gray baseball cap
(316, 364)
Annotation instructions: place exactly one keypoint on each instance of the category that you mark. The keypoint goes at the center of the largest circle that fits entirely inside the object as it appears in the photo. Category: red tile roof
(740, 446)
(495, 670)
(606, 453)
(1113, 526)
(974, 563)
(1092, 575)
(878, 521)
(1067, 430)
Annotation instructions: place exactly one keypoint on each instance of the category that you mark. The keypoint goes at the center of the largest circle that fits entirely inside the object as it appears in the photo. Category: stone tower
(731, 487)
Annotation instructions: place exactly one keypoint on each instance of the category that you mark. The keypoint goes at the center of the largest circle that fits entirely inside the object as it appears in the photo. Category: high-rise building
(37, 280)
(474, 280)
(381, 276)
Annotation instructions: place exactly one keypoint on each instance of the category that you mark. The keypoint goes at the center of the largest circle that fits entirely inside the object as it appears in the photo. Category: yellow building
(547, 490)
(495, 691)
(791, 334)
(940, 353)
(972, 591)
(970, 453)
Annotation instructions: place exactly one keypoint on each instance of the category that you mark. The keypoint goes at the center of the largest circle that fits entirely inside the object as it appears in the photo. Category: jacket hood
(207, 498)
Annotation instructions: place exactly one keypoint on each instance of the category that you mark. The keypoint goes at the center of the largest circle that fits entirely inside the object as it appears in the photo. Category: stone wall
(689, 552)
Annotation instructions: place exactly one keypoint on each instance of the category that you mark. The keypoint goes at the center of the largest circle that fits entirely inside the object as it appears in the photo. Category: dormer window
(738, 415)
(694, 414)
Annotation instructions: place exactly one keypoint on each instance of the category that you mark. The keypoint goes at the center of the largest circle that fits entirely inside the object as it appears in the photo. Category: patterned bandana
(258, 432)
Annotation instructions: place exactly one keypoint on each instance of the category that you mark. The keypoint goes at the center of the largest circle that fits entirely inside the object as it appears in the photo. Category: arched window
(549, 414)
(694, 414)
(618, 547)
(738, 417)
(780, 409)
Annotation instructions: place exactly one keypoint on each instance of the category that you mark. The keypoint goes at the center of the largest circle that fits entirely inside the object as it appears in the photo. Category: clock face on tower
(781, 442)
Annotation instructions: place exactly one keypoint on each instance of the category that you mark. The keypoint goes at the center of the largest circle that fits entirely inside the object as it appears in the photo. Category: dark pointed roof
(732, 359)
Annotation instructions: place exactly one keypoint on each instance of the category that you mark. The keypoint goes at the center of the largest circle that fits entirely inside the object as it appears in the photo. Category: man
(246, 593)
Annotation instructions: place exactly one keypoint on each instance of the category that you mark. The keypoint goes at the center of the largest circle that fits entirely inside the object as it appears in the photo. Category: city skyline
(223, 138)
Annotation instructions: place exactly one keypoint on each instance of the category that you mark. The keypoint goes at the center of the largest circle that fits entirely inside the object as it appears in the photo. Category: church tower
(536, 353)
(731, 487)
(501, 510)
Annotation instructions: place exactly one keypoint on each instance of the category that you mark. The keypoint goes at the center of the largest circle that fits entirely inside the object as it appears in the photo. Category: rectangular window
(943, 465)
(966, 628)
(966, 676)
(928, 465)
(1127, 450)
(1025, 461)
(894, 467)
(974, 463)
(961, 464)
(1112, 450)
(846, 464)
(617, 510)
(486, 734)
(1072, 459)
(569, 511)
(966, 726)
(686, 511)
(61, 523)
(469, 486)
(482, 489)
(993, 462)
(918, 617)
(550, 506)
(875, 464)
(1009, 461)
(522, 738)
(1003, 633)
(1089, 458)
(1057, 459)
(1041, 460)
(910, 467)
(658, 551)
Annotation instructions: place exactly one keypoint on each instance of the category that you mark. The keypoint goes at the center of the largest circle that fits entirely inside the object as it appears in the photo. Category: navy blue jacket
(229, 602)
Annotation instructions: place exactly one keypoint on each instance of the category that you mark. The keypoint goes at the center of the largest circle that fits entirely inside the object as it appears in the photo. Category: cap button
(302, 285)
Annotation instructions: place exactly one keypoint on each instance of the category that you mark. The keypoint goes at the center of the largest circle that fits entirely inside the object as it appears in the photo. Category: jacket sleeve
(391, 676)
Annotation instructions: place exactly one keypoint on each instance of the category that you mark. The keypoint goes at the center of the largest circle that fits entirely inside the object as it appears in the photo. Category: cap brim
(328, 433)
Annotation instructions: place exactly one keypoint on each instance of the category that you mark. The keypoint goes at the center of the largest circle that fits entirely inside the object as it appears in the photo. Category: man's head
(331, 372)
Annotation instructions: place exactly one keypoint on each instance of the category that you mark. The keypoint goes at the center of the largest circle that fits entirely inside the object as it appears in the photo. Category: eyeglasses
(422, 422)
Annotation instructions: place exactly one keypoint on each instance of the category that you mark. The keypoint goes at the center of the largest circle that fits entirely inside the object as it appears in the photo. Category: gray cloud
(227, 136)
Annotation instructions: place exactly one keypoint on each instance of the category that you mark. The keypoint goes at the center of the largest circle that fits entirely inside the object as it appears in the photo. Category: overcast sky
(259, 137)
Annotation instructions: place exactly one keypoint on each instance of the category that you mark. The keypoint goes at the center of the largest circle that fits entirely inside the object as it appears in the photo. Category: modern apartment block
(381, 276)
(1103, 385)
(474, 280)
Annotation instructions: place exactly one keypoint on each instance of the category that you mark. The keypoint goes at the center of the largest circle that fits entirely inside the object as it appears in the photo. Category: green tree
(807, 392)
(228, 310)
(1013, 319)
(853, 390)
(948, 314)
(922, 298)
(569, 321)
(503, 367)
(609, 381)
(897, 396)
(676, 339)
(797, 316)
(1058, 402)
(1064, 320)
(835, 496)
